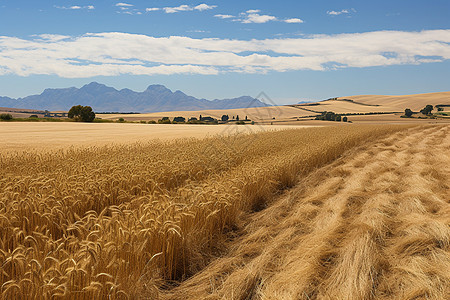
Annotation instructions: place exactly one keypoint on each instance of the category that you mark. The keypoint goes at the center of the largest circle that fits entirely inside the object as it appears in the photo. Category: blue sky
(291, 50)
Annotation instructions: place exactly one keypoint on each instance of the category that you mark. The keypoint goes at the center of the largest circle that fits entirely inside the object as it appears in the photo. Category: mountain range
(102, 98)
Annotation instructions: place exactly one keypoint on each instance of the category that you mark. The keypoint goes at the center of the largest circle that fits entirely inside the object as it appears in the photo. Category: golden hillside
(378, 103)
(414, 102)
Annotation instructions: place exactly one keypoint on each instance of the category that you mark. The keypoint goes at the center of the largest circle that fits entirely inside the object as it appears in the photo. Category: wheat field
(41, 136)
(401, 102)
(374, 224)
(130, 221)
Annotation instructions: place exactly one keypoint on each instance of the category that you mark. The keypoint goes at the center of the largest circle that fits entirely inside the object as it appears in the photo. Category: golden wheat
(122, 222)
(374, 224)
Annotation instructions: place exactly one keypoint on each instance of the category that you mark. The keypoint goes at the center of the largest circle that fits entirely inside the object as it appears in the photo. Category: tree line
(427, 111)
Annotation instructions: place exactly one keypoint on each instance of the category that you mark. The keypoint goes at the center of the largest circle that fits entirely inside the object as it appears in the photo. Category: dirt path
(375, 224)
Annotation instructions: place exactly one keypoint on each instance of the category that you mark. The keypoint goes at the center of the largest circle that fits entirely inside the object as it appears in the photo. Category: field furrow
(374, 224)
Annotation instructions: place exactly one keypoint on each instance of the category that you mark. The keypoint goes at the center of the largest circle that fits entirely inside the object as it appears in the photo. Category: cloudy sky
(291, 50)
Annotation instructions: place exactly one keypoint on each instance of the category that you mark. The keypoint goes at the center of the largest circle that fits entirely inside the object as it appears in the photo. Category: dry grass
(375, 224)
(415, 102)
(20, 136)
(125, 221)
(380, 103)
(394, 119)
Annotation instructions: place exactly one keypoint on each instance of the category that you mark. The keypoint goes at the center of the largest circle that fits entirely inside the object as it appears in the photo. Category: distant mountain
(101, 98)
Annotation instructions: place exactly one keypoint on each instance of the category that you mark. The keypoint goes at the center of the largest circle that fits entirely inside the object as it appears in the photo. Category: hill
(102, 98)
(377, 103)
(415, 102)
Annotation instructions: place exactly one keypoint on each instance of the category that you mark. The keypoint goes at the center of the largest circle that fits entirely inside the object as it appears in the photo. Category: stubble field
(374, 224)
(237, 217)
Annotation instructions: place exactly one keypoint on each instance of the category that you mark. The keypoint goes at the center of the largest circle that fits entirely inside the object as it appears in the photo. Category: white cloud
(121, 4)
(152, 9)
(184, 7)
(256, 18)
(340, 12)
(293, 20)
(224, 16)
(171, 10)
(127, 9)
(198, 31)
(111, 54)
(51, 37)
(76, 7)
(203, 6)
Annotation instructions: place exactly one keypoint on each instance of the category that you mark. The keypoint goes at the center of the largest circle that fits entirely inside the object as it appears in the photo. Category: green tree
(344, 119)
(225, 118)
(408, 113)
(81, 113)
(6, 117)
(164, 120)
(427, 109)
(330, 116)
(179, 120)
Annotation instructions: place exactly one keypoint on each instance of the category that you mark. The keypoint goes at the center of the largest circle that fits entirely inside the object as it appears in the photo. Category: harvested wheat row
(122, 221)
(373, 224)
